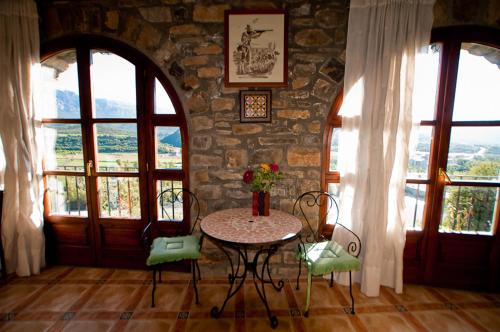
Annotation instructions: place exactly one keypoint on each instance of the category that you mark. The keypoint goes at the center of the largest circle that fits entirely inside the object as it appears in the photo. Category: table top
(238, 226)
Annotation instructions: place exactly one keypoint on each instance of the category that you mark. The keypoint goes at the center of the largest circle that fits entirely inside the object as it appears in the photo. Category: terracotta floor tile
(212, 295)
(322, 295)
(412, 294)
(59, 297)
(276, 300)
(122, 274)
(328, 324)
(111, 297)
(88, 273)
(488, 318)
(168, 297)
(443, 321)
(87, 326)
(457, 296)
(158, 325)
(385, 322)
(206, 325)
(262, 324)
(36, 326)
(13, 295)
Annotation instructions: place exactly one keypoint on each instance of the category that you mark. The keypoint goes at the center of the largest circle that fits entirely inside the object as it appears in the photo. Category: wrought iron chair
(320, 255)
(163, 250)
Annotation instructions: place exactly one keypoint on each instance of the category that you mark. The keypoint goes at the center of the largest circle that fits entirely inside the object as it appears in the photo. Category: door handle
(444, 176)
(90, 164)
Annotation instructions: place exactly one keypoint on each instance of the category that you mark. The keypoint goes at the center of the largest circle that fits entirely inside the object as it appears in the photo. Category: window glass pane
(477, 94)
(117, 147)
(333, 189)
(119, 197)
(2, 165)
(414, 205)
(59, 88)
(63, 146)
(168, 208)
(418, 163)
(468, 209)
(113, 86)
(334, 149)
(67, 195)
(168, 148)
(163, 104)
(426, 83)
(474, 153)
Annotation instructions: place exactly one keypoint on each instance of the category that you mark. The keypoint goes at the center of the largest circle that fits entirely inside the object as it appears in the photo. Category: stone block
(112, 19)
(227, 175)
(227, 141)
(200, 176)
(239, 194)
(312, 38)
(198, 102)
(210, 49)
(271, 155)
(293, 114)
(297, 94)
(212, 13)
(268, 140)
(222, 104)
(333, 69)
(202, 142)
(156, 14)
(149, 37)
(203, 160)
(300, 82)
(299, 156)
(303, 10)
(330, 17)
(202, 123)
(323, 90)
(165, 52)
(314, 127)
(209, 72)
(236, 158)
(208, 191)
(190, 82)
(297, 129)
(197, 60)
(246, 129)
(304, 70)
(186, 29)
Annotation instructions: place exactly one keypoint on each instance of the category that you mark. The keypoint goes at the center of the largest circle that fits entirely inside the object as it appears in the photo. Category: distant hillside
(68, 107)
(174, 139)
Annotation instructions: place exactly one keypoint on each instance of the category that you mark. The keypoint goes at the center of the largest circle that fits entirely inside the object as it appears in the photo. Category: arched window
(115, 136)
(453, 180)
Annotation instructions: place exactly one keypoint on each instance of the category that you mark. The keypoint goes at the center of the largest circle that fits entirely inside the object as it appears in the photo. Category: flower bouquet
(261, 181)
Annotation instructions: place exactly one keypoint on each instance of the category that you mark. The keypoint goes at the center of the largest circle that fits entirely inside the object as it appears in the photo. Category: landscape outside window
(113, 91)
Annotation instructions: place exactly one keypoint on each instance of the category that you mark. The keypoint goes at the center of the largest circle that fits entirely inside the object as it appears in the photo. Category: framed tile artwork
(255, 105)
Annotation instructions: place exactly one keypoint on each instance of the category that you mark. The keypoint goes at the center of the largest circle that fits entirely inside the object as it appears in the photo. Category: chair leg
(154, 289)
(331, 279)
(298, 276)
(193, 266)
(350, 293)
(308, 294)
(198, 268)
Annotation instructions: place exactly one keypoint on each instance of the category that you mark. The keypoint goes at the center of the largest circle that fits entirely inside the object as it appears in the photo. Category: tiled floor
(91, 299)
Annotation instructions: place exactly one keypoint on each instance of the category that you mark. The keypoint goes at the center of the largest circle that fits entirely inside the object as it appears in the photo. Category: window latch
(90, 164)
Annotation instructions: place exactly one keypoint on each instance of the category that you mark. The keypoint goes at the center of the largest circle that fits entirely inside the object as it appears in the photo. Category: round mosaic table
(239, 231)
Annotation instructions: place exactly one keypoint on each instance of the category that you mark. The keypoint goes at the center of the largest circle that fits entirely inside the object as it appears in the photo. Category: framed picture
(255, 106)
(256, 48)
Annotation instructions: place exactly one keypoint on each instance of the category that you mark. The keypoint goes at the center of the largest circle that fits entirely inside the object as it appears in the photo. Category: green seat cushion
(327, 256)
(171, 249)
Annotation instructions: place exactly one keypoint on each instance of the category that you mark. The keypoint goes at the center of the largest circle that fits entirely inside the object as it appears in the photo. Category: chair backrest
(322, 207)
(174, 204)
(178, 204)
(315, 208)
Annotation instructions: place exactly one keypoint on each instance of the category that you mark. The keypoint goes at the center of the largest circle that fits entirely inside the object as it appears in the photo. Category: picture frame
(256, 48)
(255, 106)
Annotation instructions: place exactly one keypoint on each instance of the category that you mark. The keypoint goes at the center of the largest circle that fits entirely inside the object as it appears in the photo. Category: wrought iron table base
(259, 280)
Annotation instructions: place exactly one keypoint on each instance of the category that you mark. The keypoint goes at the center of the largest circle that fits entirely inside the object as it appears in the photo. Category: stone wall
(185, 38)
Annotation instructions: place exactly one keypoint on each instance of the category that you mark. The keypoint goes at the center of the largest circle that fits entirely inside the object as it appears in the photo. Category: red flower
(248, 176)
(274, 168)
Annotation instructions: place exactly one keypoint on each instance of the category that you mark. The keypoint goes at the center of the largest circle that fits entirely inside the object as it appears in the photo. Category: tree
(472, 208)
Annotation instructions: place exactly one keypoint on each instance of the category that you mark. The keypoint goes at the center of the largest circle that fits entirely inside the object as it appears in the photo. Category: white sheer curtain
(22, 232)
(383, 39)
